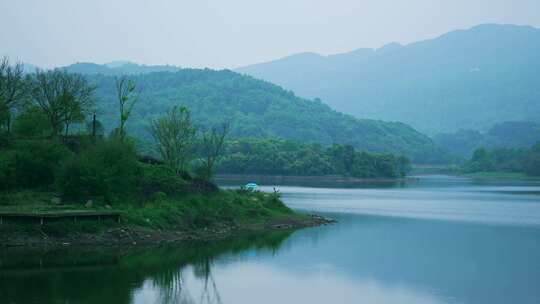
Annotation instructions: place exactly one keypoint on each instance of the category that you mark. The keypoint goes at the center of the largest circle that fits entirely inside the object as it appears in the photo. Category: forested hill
(507, 135)
(465, 79)
(257, 109)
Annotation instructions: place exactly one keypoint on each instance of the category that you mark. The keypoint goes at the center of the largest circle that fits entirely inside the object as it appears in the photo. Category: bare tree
(212, 145)
(64, 98)
(12, 89)
(174, 135)
(74, 113)
(127, 97)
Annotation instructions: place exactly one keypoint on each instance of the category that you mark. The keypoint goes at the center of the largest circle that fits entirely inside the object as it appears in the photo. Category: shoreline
(494, 175)
(126, 235)
(244, 178)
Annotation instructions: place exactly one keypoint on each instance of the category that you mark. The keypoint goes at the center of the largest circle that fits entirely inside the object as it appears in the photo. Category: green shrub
(108, 170)
(159, 196)
(32, 123)
(4, 139)
(35, 162)
(7, 170)
(532, 164)
(156, 178)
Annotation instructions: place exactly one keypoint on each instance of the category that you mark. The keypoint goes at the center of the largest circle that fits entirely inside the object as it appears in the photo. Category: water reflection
(390, 246)
(117, 276)
(253, 282)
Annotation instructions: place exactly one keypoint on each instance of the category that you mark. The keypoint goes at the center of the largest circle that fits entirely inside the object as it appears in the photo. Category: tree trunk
(121, 131)
(8, 126)
(94, 128)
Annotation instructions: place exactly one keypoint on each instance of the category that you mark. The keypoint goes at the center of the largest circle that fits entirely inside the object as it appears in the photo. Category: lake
(434, 239)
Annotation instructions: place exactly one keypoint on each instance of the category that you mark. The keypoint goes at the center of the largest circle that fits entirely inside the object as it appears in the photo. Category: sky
(231, 33)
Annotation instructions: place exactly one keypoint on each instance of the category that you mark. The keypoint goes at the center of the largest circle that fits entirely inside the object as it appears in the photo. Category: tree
(74, 113)
(211, 148)
(403, 166)
(32, 123)
(174, 135)
(532, 161)
(480, 161)
(95, 127)
(65, 98)
(127, 97)
(12, 89)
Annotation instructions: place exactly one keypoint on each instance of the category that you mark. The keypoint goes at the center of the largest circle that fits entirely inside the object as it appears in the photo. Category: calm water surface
(431, 240)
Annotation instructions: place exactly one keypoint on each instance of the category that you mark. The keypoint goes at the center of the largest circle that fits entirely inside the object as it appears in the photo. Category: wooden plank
(41, 216)
(61, 214)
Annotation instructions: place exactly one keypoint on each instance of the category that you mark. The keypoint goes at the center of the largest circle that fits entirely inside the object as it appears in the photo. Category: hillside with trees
(524, 160)
(508, 134)
(48, 170)
(282, 157)
(464, 79)
(255, 109)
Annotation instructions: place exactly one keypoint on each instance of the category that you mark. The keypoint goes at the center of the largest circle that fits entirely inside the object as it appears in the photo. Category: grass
(198, 211)
(182, 213)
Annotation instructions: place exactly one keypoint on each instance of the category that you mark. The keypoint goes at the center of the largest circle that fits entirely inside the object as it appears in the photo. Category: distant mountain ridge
(118, 68)
(256, 109)
(469, 79)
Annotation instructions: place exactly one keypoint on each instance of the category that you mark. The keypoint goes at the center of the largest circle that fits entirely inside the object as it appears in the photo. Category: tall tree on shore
(212, 144)
(174, 135)
(12, 89)
(65, 98)
(127, 97)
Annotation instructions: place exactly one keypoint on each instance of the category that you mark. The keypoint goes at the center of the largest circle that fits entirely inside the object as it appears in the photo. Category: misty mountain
(120, 67)
(255, 108)
(465, 79)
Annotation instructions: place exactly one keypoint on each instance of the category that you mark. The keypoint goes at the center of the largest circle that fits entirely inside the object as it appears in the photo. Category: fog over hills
(470, 79)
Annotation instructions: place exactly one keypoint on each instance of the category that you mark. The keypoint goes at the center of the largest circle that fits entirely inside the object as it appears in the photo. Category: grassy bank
(161, 219)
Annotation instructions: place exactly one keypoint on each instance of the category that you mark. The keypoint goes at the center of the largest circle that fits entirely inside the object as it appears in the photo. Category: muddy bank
(133, 235)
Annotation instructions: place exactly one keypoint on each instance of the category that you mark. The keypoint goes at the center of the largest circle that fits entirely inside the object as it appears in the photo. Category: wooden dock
(42, 217)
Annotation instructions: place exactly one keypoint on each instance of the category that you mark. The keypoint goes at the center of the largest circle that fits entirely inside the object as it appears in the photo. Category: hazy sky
(231, 33)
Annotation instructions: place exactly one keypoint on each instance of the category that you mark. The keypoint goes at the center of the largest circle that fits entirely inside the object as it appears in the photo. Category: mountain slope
(464, 79)
(256, 108)
(119, 68)
(508, 134)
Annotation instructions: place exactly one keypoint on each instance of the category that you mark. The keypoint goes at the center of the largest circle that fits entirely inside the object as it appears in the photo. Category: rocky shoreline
(128, 235)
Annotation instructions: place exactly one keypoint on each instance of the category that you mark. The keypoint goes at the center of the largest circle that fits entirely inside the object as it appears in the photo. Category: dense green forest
(46, 168)
(283, 157)
(509, 134)
(522, 160)
(38, 151)
(255, 109)
(51, 141)
(464, 79)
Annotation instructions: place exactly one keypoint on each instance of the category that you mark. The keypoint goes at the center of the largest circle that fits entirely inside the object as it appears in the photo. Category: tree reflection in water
(115, 276)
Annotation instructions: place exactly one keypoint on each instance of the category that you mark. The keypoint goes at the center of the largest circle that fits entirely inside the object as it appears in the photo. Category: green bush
(532, 164)
(108, 170)
(156, 178)
(34, 163)
(32, 123)
(7, 170)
